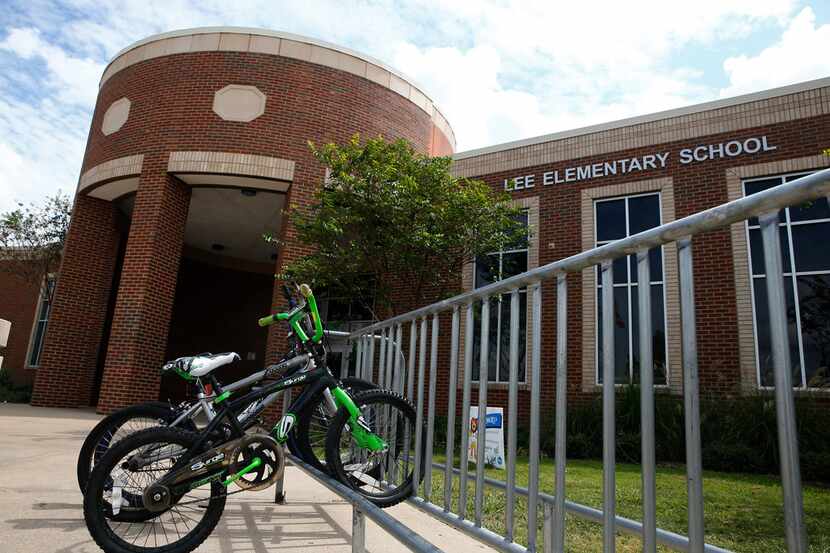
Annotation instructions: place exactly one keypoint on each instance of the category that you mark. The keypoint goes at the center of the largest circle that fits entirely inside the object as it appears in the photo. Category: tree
(32, 239)
(396, 224)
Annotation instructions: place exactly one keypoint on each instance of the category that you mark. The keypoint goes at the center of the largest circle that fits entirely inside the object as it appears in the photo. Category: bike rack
(399, 374)
(362, 508)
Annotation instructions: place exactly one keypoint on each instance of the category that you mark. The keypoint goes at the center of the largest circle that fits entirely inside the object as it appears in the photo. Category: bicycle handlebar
(297, 313)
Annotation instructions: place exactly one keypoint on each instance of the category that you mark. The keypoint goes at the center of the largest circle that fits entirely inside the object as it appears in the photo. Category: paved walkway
(40, 505)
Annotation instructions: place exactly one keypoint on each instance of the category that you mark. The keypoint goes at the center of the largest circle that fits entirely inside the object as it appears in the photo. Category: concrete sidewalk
(40, 505)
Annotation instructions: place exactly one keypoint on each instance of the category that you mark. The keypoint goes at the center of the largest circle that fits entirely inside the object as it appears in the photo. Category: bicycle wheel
(383, 477)
(130, 527)
(115, 427)
(313, 424)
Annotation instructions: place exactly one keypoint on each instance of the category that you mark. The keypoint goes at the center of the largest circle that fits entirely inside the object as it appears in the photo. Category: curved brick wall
(170, 82)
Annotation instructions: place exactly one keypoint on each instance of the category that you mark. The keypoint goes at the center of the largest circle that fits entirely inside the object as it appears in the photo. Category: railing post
(464, 449)
(358, 361)
(358, 530)
(381, 358)
(410, 370)
(390, 357)
(547, 529)
(535, 385)
(419, 418)
(451, 393)
(558, 536)
(691, 396)
(609, 506)
(369, 353)
(784, 404)
(481, 436)
(433, 375)
(647, 404)
(512, 415)
(397, 377)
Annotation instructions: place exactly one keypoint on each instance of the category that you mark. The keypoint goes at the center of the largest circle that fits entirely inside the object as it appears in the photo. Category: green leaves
(392, 215)
(32, 238)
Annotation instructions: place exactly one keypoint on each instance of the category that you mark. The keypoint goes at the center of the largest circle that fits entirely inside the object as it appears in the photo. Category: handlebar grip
(269, 320)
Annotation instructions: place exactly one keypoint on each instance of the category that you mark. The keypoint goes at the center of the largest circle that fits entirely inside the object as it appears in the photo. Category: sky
(499, 70)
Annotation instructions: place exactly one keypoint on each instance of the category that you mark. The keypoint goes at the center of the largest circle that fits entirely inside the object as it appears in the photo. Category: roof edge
(288, 36)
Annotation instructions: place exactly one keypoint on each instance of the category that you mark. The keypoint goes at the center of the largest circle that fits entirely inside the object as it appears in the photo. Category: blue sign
(494, 420)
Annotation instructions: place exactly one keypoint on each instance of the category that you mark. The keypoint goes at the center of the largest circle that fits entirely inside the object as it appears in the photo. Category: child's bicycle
(163, 489)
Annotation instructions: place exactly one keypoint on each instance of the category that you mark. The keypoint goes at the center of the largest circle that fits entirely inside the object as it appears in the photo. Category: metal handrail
(362, 508)
(764, 205)
(810, 187)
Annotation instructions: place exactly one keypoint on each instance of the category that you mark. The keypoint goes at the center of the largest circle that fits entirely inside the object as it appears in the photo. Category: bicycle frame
(317, 380)
(205, 402)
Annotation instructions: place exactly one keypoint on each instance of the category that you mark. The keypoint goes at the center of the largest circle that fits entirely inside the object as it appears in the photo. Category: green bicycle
(163, 490)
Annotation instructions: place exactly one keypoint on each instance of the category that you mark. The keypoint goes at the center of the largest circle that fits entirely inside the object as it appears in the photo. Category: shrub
(12, 393)
(737, 434)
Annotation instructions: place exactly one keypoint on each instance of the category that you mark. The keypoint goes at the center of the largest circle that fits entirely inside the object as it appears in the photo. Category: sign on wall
(647, 162)
(494, 437)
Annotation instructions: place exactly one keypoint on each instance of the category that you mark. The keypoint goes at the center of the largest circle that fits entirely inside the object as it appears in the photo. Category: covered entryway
(226, 279)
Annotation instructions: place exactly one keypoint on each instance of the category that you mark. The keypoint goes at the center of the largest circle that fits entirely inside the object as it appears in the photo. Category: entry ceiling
(230, 222)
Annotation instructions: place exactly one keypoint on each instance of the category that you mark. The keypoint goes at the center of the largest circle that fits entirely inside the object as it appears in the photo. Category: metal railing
(765, 206)
(362, 509)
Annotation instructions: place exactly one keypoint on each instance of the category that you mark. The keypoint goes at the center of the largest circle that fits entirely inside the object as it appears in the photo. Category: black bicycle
(164, 489)
(301, 442)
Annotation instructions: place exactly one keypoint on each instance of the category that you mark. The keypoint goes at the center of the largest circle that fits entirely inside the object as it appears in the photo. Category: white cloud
(500, 69)
(74, 80)
(800, 55)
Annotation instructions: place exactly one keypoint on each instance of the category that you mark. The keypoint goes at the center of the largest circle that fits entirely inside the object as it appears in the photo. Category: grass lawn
(742, 511)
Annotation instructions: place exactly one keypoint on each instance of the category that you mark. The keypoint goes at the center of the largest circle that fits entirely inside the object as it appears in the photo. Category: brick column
(147, 289)
(76, 322)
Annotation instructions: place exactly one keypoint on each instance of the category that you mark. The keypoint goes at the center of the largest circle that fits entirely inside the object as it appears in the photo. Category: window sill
(658, 388)
(497, 385)
(801, 392)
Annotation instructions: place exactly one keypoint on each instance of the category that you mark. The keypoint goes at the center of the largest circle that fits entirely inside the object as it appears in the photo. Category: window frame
(629, 285)
(522, 297)
(791, 272)
(51, 279)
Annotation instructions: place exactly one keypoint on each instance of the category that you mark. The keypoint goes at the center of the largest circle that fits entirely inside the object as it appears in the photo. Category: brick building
(198, 142)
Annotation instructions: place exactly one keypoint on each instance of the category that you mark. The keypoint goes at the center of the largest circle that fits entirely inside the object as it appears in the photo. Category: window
(488, 269)
(41, 320)
(803, 232)
(345, 315)
(618, 218)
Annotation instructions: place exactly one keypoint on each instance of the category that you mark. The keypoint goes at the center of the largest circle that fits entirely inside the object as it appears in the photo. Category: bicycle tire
(97, 510)
(311, 416)
(391, 495)
(111, 424)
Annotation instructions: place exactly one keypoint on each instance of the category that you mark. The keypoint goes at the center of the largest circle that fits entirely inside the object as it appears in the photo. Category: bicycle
(138, 417)
(171, 484)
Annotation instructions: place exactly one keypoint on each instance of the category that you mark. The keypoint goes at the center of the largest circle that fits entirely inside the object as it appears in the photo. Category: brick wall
(171, 110)
(76, 323)
(18, 303)
(697, 186)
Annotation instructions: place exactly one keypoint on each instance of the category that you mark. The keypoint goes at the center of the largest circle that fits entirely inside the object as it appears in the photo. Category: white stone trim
(777, 105)
(262, 41)
(232, 103)
(115, 116)
(227, 163)
(121, 167)
(740, 257)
